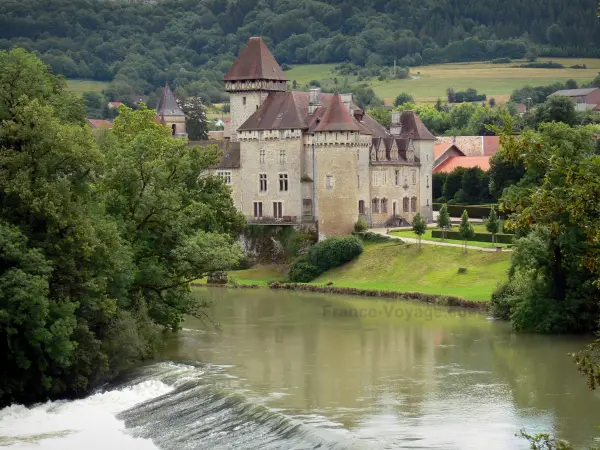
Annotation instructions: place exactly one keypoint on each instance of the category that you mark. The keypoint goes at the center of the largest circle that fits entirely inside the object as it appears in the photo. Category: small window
(375, 205)
(224, 175)
(262, 181)
(283, 181)
(384, 205)
(397, 179)
(258, 209)
(329, 181)
(243, 100)
(173, 129)
(282, 156)
(384, 177)
(413, 204)
(414, 176)
(361, 207)
(278, 210)
(427, 178)
(405, 204)
(261, 155)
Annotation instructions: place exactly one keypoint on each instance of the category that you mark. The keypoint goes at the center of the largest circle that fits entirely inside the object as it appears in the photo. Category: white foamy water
(88, 423)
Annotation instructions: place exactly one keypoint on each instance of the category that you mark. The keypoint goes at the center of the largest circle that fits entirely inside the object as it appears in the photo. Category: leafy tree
(419, 227)
(492, 102)
(453, 182)
(438, 180)
(492, 225)
(556, 109)
(465, 228)
(195, 118)
(571, 84)
(443, 220)
(381, 115)
(504, 172)
(402, 98)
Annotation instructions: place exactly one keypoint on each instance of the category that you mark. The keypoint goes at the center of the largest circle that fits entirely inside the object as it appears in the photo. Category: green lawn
(495, 80)
(479, 228)
(81, 86)
(431, 270)
(260, 275)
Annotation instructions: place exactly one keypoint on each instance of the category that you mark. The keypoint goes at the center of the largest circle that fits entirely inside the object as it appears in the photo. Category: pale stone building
(170, 114)
(310, 157)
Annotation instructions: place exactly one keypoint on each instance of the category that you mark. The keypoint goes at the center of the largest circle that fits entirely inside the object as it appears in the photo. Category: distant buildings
(584, 99)
(464, 151)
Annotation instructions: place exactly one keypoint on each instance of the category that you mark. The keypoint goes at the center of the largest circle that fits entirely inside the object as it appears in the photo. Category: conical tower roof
(168, 104)
(255, 62)
(337, 117)
(411, 127)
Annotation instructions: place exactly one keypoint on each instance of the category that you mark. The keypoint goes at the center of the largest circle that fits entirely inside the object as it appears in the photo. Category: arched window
(384, 205)
(361, 206)
(173, 129)
(413, 204)
(375, 205)
(405, 204)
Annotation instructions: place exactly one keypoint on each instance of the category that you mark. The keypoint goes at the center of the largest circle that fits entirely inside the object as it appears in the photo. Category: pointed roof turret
(255, 62)
(337, 117)
(411, 127)
(168, 104)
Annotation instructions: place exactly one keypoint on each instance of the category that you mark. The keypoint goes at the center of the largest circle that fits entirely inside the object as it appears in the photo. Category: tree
(465, 228)
(381, 115)
(196, 123)
(443, 220)
(492, 102)
(504, 172)
(453, 183)
(492, 225)
(419, 227)
(556, 109)
(555, 35)
(402, 98)
(571, 84)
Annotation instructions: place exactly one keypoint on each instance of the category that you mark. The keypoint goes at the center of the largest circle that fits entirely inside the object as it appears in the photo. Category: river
(303, 371)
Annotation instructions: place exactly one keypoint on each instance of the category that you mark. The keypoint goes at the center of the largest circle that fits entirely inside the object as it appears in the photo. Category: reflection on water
(396, 374)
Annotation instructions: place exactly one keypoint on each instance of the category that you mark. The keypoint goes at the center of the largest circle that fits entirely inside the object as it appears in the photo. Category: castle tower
(421, 141)
(337, 141)
(252, 76)
(170, 114)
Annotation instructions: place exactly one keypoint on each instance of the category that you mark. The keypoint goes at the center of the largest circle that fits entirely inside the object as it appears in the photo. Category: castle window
(375, 205)
(261, 155)
(427, 180)
(414, 176)
(262, 182)
(397, 179)
(329, 181)
(278, 210)
(243, 100)
(224, 175)
(413, 204)
(283, 181)
(384, 177)
(361, 206)
(405, 204)
(257, 209)
(282, 156)
(384, 205)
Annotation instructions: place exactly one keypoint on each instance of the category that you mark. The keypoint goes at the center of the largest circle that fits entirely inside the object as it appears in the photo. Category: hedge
(474, 211)
(479, 237)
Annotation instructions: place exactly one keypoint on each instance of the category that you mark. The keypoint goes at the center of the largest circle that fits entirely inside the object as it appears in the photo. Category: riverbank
(399, 268)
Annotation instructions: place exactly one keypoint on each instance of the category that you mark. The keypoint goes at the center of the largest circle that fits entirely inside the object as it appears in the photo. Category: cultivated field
(431, 82)
(81, 86)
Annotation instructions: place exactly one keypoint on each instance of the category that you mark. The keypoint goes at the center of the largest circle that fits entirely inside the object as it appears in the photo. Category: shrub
(369, 236)
(302, 271)
(478, 237)
(361, 225)
(334, 252)
(499, 302)
(501, 61)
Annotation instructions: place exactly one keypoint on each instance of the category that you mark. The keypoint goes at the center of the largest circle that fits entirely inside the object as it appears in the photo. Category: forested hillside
(193, 42)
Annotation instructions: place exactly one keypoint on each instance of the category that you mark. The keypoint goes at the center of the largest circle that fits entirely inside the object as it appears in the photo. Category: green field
(479, 228)
(398, 267)
(81, 86)
(495, 80)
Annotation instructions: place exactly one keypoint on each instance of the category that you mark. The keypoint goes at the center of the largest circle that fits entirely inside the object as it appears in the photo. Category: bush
(501, 61)
(499, 303)
(369, 236)
(361, 225)
(478, 237)
(334, 252)
(302, 271)
(474, 211)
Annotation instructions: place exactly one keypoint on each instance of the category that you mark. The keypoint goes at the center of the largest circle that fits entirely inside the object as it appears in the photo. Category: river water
(305, 371)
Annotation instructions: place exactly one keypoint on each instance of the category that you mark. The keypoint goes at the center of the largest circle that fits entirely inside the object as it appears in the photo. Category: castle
(315, 158)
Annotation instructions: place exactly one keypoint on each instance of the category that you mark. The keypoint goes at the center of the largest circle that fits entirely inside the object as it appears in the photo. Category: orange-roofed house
(97, 124)
(114, 104)
(451, 163)
(317, 159)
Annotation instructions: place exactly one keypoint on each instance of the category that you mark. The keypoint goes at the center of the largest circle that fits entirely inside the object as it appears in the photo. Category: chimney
(358, 114)
(347, 99)
(395, 127)
(314, 100)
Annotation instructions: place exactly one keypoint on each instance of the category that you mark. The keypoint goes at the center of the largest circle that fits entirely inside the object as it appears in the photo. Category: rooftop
(337, 117)
(255, 62)
(411, 127)
(168, 105)
(575, 92)
(483, 162)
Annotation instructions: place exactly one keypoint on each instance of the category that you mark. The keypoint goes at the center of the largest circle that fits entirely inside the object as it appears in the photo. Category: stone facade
(317, 158)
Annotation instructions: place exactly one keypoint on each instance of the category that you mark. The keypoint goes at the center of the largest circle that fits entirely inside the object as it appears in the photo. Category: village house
(588, 98)
(315, 158)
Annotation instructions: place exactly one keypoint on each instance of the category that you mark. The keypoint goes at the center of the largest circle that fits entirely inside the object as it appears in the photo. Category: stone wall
(243, 105)
(179, 122)
(424, 151)
(386, 185)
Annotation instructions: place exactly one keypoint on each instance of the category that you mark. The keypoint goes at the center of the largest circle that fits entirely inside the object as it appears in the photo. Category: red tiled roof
(255, 62)
(440, 149)
(337, 117)
(491, 144)
(115, 104)
(97, 123)
(597, 107)
(412, 128)
(483, 162)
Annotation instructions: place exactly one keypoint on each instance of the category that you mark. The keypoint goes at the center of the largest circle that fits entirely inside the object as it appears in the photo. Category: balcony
(285, 220)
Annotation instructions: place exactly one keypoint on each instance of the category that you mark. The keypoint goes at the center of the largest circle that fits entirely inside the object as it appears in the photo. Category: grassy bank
(428, 237)
(397, 267)
(81, 86)
(431, 82)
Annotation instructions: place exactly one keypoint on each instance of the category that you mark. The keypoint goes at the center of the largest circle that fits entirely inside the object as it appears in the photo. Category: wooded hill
(192, 42)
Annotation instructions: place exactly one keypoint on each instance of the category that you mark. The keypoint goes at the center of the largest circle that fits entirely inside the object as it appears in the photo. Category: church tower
(252, 76)
(170, 114)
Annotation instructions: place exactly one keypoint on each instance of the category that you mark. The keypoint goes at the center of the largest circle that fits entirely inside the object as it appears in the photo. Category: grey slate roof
(230, 159)
(575, 92)
(168, 104)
